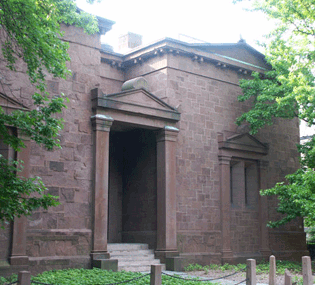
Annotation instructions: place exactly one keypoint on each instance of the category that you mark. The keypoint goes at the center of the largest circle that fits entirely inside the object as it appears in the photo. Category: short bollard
(307, 270)
(24, 278)
(287, 278)
(272, 270)
(156, 275)
(250, 272)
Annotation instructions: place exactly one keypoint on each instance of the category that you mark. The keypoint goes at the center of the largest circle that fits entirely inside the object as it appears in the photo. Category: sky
(213, 21)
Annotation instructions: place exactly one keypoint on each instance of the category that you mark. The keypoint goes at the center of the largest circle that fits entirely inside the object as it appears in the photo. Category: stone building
(151, 154)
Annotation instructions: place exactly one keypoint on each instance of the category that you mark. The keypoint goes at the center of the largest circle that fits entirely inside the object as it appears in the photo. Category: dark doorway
(132, 187)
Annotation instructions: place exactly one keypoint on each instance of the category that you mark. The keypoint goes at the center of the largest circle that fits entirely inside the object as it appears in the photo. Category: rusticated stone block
(53, 87)
(78, 87)
(67, 194)
(56, 166)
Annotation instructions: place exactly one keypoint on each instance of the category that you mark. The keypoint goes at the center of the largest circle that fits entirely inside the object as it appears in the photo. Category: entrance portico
(135, 109)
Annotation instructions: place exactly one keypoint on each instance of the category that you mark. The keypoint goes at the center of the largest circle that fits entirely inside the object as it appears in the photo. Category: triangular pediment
(136, 101)
(240, 51)
(244, 142)
(140, 97)
(9, 104)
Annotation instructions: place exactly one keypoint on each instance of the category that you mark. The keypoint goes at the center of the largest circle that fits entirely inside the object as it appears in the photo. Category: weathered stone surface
(56, 166)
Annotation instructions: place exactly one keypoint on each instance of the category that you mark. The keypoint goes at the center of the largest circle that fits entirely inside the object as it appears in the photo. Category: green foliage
(30, 32)
(97, 276)
(194, 267)
(15, 199)
(287, 91)
(310, 235)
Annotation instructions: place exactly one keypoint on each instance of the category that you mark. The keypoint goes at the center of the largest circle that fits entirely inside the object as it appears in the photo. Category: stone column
(166, 193)
(18, 252)
(224, 163)
(263, 211)
(101, 127)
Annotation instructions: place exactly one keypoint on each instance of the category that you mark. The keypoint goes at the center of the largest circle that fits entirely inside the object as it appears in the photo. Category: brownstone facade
(151, 154)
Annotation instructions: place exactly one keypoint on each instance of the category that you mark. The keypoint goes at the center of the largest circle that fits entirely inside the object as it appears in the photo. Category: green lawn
(97, 276)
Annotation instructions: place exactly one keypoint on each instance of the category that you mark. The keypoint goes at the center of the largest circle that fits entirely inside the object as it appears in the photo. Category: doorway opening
(132, 192)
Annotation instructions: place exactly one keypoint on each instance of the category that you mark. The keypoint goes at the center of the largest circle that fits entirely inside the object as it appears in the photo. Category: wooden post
(250, 272)
(307, 270)
(272, 270)
(24, 278)
(287, 278)
(156, 275)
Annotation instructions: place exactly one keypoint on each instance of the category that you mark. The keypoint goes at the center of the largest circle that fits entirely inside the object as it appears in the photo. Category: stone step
(139, 262)
(126, 246)
(132, 257)
(136, 268)
(131, 252)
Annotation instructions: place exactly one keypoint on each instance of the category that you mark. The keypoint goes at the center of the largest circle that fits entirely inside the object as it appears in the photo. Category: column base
(174, 263)
(19, 260)
(163, 254)
(98, 255)
(106, 264)
(265, 253)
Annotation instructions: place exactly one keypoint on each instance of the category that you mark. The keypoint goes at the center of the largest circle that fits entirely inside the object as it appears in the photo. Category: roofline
(244, 44)
(181, 48)
(104, 25)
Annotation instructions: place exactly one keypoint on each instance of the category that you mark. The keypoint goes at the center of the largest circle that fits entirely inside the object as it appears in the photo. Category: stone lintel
(101, 122)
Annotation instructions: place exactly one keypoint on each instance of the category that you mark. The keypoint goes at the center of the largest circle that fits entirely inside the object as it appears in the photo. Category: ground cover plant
(262, 271)
(97, 276)
(261, 268)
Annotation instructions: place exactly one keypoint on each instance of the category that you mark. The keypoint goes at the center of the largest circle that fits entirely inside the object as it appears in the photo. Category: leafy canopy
(287, 91)
(30, 32)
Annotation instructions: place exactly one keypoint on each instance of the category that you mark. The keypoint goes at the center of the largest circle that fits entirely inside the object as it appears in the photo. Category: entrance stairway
(133, 256)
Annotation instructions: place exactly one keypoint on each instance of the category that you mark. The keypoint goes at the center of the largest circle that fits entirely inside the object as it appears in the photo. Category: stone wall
(206, 96)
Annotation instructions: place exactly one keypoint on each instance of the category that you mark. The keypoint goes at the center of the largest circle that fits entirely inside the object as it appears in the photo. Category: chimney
(129, 41)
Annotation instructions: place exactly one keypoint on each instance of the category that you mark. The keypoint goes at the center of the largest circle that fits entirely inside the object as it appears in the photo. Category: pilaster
(18, 252)
(166, 193)
(101, 126)
(224, 164)
(263, 211)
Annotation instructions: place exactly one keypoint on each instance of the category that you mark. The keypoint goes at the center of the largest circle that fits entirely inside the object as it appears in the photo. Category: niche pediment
(136, 101)
(8, 104)
(242, 142)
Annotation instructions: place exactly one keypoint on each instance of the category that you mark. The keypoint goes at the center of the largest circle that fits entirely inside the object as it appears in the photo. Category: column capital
(224, 159)
(101, 122)
(168, 133)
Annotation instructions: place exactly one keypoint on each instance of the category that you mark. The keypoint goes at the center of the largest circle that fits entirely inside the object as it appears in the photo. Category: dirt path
(238, 277)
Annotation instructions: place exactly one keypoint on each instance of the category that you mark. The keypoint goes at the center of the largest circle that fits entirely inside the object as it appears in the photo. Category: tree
(30, 31)
(287, 91)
